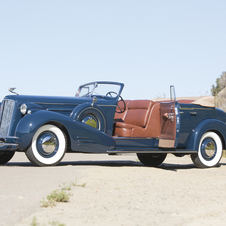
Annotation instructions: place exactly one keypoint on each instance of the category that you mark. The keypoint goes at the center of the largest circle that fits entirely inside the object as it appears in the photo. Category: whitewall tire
(48, 146)
(209, 152)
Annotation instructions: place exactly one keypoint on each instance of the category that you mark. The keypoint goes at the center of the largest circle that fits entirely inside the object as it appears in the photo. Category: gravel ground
(119, 191)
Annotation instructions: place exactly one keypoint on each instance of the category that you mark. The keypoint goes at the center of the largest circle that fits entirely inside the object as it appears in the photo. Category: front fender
(82, 138)
(204, 126)
(30, 123)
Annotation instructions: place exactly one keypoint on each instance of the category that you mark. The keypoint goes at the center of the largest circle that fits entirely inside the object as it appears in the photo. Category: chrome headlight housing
(23, 109)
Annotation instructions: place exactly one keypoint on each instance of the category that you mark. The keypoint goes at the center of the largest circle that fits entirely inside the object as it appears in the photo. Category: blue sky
(51, 47)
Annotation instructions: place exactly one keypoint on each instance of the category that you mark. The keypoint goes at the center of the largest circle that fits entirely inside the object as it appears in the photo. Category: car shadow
(83, 163)
(105, 163)
(118, 163)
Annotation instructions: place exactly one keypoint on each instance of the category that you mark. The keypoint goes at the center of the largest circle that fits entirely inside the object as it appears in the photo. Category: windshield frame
(95, 85)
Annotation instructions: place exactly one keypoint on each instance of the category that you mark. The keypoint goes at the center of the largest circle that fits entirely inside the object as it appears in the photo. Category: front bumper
(8, 143)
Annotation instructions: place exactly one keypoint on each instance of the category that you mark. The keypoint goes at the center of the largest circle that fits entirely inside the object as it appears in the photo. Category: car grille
(6, 114)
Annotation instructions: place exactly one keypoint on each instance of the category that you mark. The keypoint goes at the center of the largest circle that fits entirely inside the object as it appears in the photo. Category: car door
(169, 122)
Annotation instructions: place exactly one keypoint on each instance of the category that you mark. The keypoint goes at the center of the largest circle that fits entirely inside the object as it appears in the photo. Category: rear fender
(204, 126)
(82, 138)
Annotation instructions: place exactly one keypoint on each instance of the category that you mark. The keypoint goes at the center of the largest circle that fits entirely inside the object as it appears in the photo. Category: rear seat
(141, 119)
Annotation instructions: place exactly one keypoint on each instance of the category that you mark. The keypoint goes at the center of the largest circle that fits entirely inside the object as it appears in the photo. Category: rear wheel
(149, 159)
(209, 152)
(48, 146)
(6, 156)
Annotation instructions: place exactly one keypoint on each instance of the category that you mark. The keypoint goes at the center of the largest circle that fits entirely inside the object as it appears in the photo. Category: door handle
(169, 116)
(193, 113)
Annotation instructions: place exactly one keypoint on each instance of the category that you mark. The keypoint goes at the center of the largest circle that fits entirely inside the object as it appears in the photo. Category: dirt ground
(118, 191)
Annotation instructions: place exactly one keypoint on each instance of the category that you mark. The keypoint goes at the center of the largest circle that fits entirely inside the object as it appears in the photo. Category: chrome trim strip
(69, 110)
(85, 141)
(57, 103)
(99, 105)
(136, 138)
(191, 109)
(8, 144)
(75, 104)
(78, 137)
(9, 137)
(88, 145)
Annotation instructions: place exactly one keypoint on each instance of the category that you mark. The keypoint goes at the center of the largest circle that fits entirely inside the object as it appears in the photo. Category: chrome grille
(6, 114)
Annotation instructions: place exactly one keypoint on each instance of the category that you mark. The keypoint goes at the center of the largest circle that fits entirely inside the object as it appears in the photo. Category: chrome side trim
(99, 105)
(135, 138)
(8, 144)
(8, 137)
(74, 104)
(56, 103)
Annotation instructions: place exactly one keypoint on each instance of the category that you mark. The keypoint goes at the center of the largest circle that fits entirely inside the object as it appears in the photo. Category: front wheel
(6, 156)
(48, 146)
(149, 159)
(209, 152)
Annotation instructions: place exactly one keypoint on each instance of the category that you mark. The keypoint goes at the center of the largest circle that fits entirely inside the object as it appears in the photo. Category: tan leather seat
(119, 117)
(136, 122)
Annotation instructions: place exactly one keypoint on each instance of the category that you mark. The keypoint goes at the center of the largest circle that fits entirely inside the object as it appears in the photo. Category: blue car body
(87, 122)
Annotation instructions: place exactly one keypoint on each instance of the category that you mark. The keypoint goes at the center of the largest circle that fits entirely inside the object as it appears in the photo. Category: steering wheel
(121, 110)
(86, 95)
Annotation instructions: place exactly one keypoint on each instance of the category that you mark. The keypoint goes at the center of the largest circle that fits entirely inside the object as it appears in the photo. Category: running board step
(111, 152)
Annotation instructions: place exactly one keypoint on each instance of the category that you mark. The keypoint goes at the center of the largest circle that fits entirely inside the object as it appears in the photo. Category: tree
(220, 84)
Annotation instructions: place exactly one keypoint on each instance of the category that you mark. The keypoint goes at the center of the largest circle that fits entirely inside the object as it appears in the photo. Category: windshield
(110, 89)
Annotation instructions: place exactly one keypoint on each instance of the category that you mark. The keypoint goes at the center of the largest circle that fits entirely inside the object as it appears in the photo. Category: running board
(112, 152)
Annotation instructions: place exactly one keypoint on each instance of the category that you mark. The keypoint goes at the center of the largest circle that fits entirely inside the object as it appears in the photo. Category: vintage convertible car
(99, 120)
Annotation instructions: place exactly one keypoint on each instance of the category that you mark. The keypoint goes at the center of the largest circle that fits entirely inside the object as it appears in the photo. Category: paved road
(23, 185)
(119, 191)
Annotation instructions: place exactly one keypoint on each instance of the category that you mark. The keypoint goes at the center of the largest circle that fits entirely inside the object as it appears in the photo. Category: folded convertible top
(205, 101)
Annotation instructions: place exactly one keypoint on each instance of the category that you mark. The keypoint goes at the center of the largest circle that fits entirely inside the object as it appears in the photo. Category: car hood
(57, 100)
(48, 99)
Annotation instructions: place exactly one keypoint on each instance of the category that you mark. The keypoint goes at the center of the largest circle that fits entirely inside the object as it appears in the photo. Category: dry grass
(60, 195)
(53, 223)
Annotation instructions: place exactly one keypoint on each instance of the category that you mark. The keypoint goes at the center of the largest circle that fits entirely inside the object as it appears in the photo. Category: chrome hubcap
(47, 144)
(90, 121)
(208, 149)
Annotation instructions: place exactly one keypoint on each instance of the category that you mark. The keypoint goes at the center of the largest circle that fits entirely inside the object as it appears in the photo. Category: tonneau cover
(205, 101)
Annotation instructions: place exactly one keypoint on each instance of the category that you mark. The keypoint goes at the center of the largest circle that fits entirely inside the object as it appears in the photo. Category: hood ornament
(12, 90)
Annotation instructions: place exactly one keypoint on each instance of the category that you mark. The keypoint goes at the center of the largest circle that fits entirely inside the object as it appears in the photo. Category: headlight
(23, 109)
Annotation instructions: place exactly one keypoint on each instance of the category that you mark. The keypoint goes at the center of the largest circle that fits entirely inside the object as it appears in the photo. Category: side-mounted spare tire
(91, 116)
(48, 146)
(209, 152)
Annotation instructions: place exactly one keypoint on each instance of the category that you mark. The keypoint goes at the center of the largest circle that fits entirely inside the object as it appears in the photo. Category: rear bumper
(8, 144)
